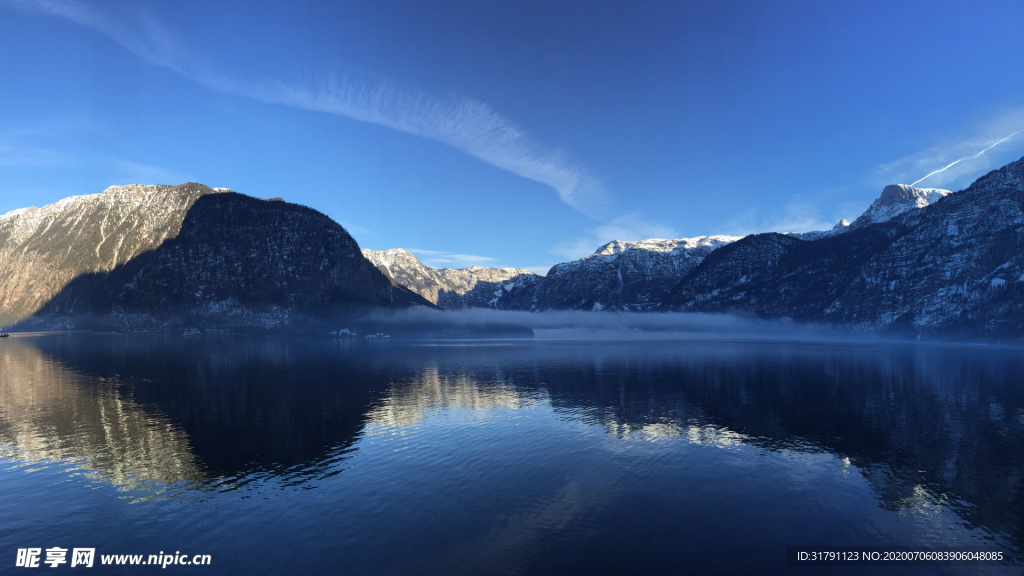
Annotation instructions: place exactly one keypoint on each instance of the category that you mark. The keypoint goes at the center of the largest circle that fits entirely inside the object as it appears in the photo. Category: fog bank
(575, 324)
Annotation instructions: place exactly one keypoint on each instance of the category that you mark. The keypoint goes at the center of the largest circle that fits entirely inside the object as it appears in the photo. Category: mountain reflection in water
(935, 432)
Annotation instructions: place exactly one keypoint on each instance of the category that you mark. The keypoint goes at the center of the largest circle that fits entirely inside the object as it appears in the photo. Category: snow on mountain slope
(42, 249)
(618, 276)
(621, 275)
(236, 262)
(896, 200)
(954, 267)
(680, 247)
(450, 288)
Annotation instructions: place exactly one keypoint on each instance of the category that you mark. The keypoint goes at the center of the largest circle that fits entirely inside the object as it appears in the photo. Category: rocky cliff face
(919, 261)
(236, 262)
(632, 276)
(896, 200)
(42, 249)
(953, 267)
(778, 275)
(472, 287)
(627, 276)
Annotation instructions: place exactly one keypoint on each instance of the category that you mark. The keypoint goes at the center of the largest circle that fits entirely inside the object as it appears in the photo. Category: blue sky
(513, 133)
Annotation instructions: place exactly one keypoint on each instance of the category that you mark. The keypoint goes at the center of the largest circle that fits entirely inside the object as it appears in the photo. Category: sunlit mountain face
(482, 455)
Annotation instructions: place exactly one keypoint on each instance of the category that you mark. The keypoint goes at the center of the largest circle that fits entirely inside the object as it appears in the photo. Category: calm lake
(292, 456)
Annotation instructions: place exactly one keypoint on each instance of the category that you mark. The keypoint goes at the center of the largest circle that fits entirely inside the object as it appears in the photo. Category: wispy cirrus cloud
(465, 124)
(18, 153)
(441, 259)
(627, 227)
(353, 228)
(956, 161)
(797, 216)
(139, 173)
(538, 270)
(968, 157)
(30, 156)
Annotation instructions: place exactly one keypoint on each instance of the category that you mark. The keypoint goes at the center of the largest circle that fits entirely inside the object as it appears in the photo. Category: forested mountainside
(237, 261)
(42, 249)
(627, 276)
(631, 276)
(918, 261)
(953, 267)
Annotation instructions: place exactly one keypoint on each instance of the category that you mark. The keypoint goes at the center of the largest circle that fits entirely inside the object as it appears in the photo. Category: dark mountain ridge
(919, 262)
(953, 268)
(780, 275)
(42, 249)
(237, 261)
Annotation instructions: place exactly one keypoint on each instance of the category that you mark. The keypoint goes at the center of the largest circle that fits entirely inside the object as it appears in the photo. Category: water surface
(278, 455)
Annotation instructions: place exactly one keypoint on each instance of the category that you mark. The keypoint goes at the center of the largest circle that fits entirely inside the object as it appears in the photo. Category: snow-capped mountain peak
(622, 275)
(473, 286)
(42, 249)
(897, 199)
(616, 247)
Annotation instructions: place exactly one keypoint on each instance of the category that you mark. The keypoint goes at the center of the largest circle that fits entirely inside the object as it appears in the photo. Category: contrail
(968, 157)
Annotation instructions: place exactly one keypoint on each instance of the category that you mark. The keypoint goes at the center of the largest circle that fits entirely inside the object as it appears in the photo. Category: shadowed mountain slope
(42, 249)
(954, 267)
(630, 276)
(237, 261)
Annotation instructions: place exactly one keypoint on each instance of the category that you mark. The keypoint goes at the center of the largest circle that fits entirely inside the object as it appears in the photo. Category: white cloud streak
(950, 165)
(354, 229)
(628, 227)
(441, 259)
(538, 270)
(140, 173)
(797, 216)
(954, 163)
(464, 124)
(29, 157)
(467, 125)
(958, 158)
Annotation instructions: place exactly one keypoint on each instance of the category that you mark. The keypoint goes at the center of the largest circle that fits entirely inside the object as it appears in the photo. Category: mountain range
(953, 267)
(922, 262)
(150, 258)
(472, 287)
(42, 249)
